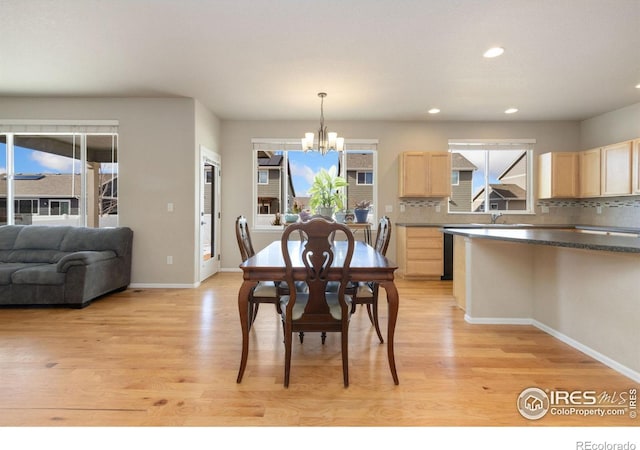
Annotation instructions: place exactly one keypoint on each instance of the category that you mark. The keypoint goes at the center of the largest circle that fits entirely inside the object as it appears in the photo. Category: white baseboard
(163, 286)
(624, 370)
(231, 269)
(497, 320)
(620, 368)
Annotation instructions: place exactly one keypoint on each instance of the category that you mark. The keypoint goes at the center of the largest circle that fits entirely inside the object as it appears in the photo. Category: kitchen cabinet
(589, 173)
(424, 174)
(615, 169)
(558, 175)
(636, 167)
(420, 252)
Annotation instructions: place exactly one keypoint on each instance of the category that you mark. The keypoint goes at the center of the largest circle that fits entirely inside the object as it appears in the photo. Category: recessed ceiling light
(511, 110)
(493, 52)
(434, 111)
(638, 86)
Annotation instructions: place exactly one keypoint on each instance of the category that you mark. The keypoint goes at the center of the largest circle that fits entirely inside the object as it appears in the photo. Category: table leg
(243, 309)
(367, 235)
(393, 301)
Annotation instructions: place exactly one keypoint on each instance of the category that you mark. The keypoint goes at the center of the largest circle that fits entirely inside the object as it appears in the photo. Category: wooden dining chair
(367, 292)
(317, 310)
(264, 291)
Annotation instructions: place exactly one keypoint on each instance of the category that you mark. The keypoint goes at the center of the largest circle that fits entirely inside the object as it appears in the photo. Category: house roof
(459, 162)
(507, 191)
(275, 161)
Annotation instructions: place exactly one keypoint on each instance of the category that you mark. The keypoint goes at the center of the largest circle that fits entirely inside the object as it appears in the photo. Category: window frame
(80, 130)
(496, 145)
(364, 172)
(290, 144)
(263, 172)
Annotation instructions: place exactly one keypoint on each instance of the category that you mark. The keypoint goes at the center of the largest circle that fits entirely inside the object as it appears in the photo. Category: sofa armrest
(83, 258)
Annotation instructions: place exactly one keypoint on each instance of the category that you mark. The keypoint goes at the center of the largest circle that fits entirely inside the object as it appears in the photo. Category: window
(57, 175)
(365, 177)
(263, 177)
(491, 176)
(290, 174)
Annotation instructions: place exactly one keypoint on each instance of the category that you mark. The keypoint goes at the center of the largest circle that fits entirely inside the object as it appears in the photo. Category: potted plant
(362, 210)
(292, 215)
(341, 212)
(325, 191)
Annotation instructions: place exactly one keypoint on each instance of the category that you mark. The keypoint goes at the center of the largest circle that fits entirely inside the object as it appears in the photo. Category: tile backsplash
(606, 211)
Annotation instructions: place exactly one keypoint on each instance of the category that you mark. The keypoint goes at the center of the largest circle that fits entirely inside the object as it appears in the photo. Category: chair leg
(345, 354)
(376, 323)
(301, 335)
(287, 355)
(323, 337)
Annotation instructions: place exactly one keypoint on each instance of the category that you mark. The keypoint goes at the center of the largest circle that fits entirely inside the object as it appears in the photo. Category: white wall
(157, 161)
(610, 128)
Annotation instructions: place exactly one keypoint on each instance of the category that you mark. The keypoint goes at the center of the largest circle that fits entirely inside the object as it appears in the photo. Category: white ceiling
(376, 59)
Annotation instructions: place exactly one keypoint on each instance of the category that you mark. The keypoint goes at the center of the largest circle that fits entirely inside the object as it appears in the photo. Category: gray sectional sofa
(62, 265)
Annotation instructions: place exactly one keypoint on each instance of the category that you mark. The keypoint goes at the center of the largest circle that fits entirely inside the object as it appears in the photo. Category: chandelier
(327, 141)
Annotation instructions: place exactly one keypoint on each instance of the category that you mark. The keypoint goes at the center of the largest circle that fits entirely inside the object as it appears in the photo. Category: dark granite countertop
(604, 229)
(554, 237)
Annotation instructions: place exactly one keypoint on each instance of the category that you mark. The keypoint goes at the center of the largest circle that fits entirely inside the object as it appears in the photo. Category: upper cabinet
(425, 174)
(558, 175)
(615, 169)
(589, 163)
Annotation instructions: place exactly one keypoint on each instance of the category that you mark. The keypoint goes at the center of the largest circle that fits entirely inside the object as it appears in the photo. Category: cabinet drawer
(423, 232)
(424, 254)
(424, 268)
(425, 243)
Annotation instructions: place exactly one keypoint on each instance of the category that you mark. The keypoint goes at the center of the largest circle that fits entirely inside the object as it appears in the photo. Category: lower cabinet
(420, 252)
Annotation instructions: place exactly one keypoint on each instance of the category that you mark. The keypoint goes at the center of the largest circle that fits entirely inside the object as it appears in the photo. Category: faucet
(494, 217)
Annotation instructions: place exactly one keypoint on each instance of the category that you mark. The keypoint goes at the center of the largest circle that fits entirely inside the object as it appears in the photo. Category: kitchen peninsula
(579, 285)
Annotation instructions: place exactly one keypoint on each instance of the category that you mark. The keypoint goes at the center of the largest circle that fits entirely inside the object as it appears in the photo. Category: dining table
(367, 265)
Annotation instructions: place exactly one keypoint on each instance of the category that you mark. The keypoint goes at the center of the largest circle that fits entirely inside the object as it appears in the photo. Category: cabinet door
(564, 175)
(615, 170)
(413, 174)
(589, 164)
(558, 175)
(440, 174)
(636, 167)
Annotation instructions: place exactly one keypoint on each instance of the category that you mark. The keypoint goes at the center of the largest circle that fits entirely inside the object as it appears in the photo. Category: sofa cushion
(35, 256)
(8, 235)
(40, 237)
(82, 239)
(43, 274)
(8, 269)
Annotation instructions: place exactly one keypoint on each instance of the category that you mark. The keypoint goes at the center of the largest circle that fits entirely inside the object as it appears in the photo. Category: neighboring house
(52, 194)
(360, 178)
(461, 183)
(502, 197)
(270, 184)
(511, 196)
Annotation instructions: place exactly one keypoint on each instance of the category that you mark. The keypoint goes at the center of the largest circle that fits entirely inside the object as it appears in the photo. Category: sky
(304, 165)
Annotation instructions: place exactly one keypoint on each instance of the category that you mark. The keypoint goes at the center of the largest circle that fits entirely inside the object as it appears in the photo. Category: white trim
(289, 141)
(490, 141)
(624, 370)
(497, 320)
(163, 286)
(231, 269)
(620, 368)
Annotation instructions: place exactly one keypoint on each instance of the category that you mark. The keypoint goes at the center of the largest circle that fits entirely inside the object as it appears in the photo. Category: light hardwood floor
(169, 357)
